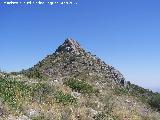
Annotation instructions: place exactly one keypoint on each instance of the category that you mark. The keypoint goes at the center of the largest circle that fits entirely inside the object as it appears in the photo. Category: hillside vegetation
(72, 84)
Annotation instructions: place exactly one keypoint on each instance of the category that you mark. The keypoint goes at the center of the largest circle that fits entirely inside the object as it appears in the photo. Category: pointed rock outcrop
(70, 45)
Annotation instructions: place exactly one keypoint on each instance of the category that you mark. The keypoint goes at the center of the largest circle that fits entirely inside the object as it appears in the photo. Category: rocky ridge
(70, 59)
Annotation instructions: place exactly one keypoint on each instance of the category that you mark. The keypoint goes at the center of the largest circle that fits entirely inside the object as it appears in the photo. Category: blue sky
(124, 33)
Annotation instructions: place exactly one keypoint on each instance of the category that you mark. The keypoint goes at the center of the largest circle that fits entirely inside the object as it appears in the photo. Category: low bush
(80, 86)
(40, 117)
(33, 73)
(120, 91)
(65, 99)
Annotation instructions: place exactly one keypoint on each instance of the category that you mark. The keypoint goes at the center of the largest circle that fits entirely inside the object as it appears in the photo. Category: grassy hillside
(35, 99)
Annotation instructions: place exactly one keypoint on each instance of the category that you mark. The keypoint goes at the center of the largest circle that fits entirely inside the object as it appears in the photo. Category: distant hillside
(72, 84)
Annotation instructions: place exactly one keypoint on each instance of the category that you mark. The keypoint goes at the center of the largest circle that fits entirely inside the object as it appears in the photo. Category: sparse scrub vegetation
(120, 91)
(103, 116)
(109, 104)
(42, 91)
(45, 93)
(142, 94)
(14, 93)
(155, 101)
(33, 73)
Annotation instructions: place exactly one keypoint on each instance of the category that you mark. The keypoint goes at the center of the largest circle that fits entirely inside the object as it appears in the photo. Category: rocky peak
(69, 45)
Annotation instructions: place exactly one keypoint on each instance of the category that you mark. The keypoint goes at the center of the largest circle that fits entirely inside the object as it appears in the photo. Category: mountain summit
(69, 45)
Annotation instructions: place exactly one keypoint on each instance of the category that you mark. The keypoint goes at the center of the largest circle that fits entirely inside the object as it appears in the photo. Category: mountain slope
(72, 84)
(70, 59)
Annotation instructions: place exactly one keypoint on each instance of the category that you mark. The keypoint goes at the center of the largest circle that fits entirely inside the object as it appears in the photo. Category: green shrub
(40, 117)
(80, 86)
(100, 116)
(120, 91)
(155, 102)
(65, 99)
